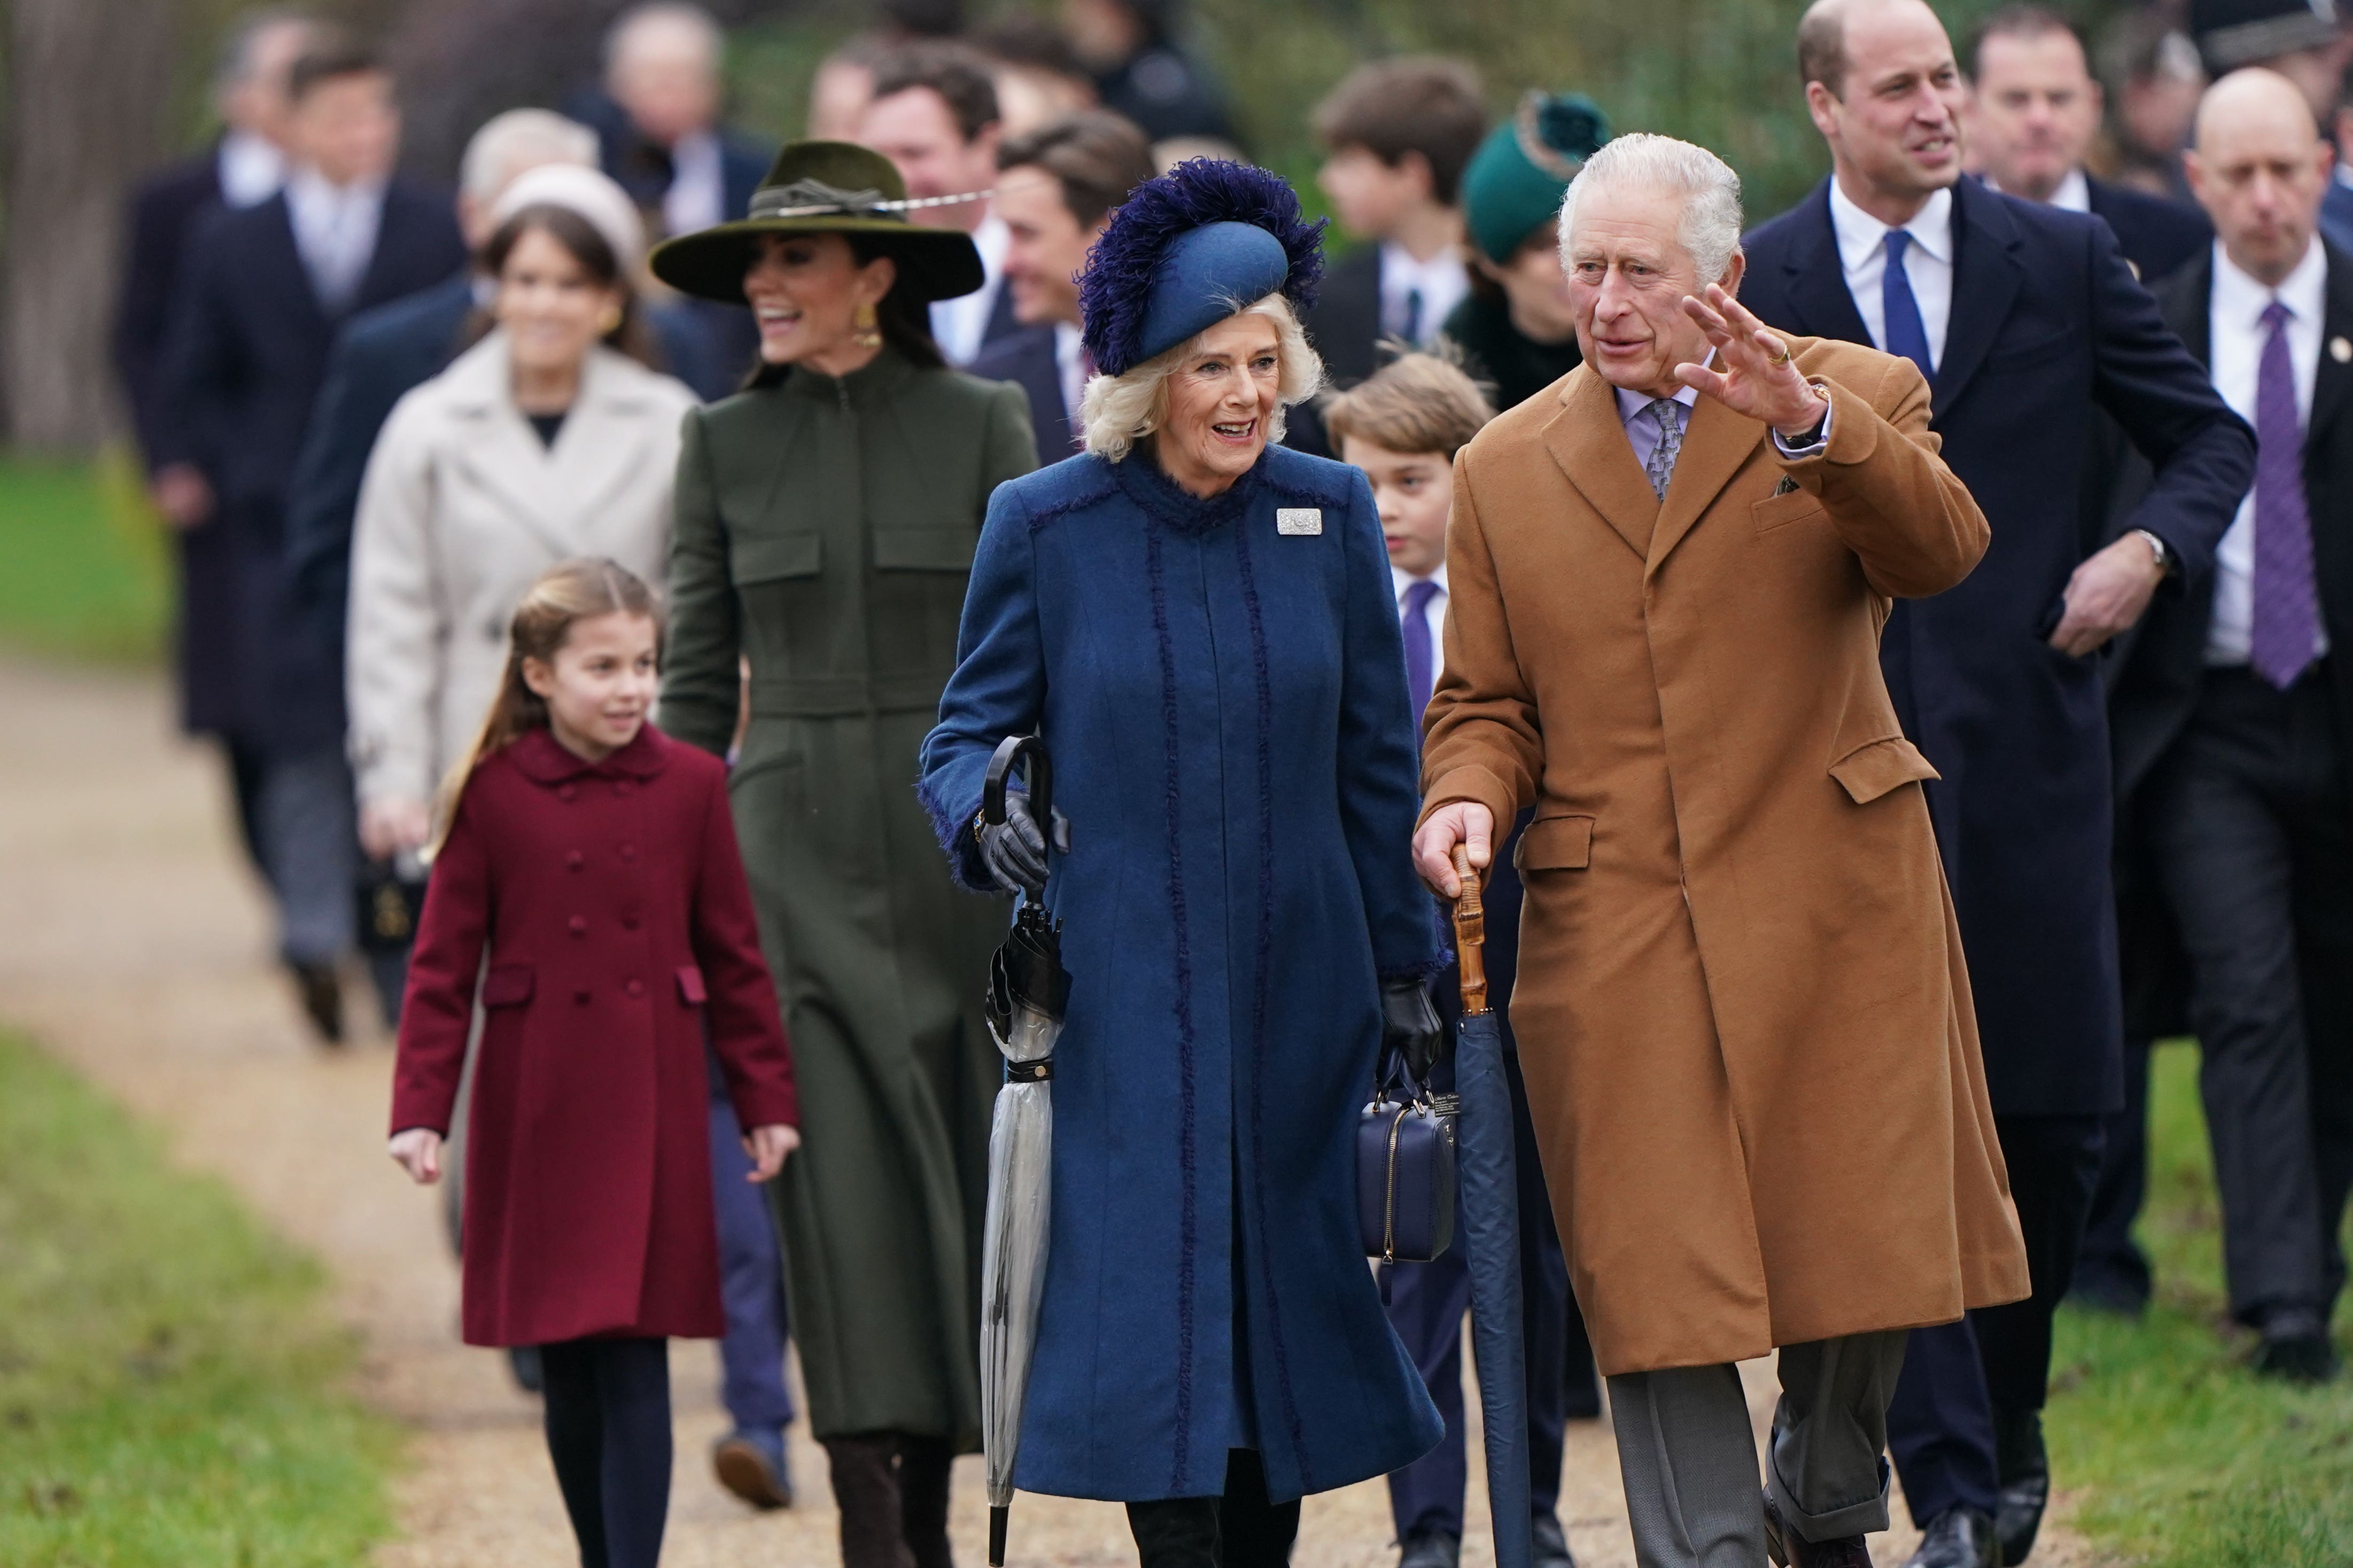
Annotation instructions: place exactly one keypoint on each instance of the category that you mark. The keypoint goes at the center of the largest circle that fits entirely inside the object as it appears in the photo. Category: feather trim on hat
(1116, 283)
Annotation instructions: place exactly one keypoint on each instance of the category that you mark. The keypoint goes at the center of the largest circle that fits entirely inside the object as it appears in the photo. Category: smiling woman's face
(1222, 396)
(805, 290)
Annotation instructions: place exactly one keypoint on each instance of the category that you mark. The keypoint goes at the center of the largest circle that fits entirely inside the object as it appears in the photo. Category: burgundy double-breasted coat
(612, 903)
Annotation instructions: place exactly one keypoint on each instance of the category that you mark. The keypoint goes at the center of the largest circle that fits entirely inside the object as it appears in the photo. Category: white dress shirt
(335, 229)
(1433, 612)
(959, 324)
(1441, 281)
(697, 197)
(2073, 195)
(1927, 264)
(1070, 369)
(2234, 318)
(250, 168)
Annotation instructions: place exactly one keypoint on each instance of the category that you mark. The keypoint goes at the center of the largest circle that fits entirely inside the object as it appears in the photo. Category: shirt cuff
(1813, 448)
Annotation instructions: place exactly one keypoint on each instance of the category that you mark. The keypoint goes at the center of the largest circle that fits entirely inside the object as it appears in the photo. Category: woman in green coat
(825, 523)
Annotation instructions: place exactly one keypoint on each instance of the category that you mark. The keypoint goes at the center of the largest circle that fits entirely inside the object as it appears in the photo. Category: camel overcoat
(1742, 1007)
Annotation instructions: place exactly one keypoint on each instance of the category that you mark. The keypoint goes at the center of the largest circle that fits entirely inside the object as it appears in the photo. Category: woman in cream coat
(545, 440)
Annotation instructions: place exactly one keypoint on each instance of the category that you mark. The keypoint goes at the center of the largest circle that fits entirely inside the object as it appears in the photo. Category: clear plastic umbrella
(1028, 993)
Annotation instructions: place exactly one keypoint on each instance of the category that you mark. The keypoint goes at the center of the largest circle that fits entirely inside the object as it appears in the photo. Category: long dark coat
(2048, 323)
(610, 902)
(824, 531)
(1226, 706)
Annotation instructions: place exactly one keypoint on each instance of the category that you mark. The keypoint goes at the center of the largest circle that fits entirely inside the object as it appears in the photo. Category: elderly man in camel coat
(1742, 1007)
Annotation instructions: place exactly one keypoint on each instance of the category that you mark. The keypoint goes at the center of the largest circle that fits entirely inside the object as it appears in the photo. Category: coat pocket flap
(1784, 507)
(766, 558)
(507, 985)
(1869, 772)
(925, 549)
(1556, 844)
(690, 985)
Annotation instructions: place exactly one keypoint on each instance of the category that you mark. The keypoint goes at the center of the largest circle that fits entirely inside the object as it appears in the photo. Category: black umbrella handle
(1038, 766)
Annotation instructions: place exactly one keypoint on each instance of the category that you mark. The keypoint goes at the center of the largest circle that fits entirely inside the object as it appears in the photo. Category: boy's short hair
(1412, 103)
(958, 74)
(332, 54)
(1417, 402)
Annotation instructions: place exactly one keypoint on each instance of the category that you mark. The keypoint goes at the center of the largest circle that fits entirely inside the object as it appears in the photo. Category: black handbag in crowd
(1405, 1169)
(391, 899)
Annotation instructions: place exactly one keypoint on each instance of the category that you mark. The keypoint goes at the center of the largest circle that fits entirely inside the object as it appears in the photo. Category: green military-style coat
(825, 528)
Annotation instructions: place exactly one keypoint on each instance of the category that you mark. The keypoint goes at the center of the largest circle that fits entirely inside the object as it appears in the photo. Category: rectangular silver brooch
(1301, 520)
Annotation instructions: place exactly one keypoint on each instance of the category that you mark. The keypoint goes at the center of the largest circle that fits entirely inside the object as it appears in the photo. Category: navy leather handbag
(1405, 1169)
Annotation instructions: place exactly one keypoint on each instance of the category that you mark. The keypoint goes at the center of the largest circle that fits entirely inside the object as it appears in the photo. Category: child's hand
(768, 1146)
(419, 1150)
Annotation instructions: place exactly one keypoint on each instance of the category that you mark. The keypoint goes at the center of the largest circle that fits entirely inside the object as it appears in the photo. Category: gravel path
(135, 946)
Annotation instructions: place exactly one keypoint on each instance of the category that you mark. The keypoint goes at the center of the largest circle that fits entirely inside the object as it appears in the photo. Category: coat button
(581, 997)
(636, 987)
(574, 860)
(579, 924)
(628, 852)
(568, 792)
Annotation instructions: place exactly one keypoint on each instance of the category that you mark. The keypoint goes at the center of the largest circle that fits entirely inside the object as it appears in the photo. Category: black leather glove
(1014, 851)
(1409, 1026)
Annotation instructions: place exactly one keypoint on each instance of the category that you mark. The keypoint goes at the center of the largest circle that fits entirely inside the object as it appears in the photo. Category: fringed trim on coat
(953, 827)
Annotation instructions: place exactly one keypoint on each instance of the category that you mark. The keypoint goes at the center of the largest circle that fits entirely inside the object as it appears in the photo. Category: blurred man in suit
(934, 115)
(2032, 114)
(2024, 317)
(2305, 41)
(243, 168)
(2234, 724)
(266, 289)
(1056, 187)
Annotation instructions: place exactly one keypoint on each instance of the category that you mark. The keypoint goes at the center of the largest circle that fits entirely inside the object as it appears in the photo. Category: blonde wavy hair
(1118, 411)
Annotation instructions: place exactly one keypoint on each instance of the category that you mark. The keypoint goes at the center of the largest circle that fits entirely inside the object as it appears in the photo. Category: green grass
(172, 1384)
(2186, 1458)
(86, 575)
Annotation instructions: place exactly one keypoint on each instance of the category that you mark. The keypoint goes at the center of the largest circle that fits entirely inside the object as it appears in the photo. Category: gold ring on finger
(1780, 359)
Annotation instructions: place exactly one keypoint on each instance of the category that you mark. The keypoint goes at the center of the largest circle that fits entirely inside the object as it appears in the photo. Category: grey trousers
(1688, 1453)
(310, 841)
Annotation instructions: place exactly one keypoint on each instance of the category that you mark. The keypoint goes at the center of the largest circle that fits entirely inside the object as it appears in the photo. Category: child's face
(600, 684)
(1415, 493)
(1370, 197)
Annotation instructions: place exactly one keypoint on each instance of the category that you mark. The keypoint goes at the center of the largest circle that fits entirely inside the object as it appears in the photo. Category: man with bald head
(2233, 726)
(2024, 317)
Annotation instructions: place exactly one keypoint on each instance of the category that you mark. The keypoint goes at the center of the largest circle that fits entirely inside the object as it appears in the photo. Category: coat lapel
(602, 444)
(509, 461)
(284, 257)
(1985, 281)
(1716, 443)
(2334, 380)
(1587, 440)
(1815, 276)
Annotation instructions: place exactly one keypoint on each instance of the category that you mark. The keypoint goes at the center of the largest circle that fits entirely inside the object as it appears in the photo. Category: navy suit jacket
(2048, 323)
(249, 350)
(165, 208)
(1026, 359)
(2159, 237)
(2336, 212)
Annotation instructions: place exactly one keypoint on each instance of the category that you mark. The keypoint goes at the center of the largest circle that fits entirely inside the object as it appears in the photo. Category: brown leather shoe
(1791, 1549)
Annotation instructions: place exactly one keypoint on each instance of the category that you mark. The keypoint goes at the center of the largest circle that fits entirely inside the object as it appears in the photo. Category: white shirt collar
(305, 186)
(2073, 195)
(992, 239)
(1401, 581)
(1630, 404)
(250, 168)
(1858, 232)
(2241, 301)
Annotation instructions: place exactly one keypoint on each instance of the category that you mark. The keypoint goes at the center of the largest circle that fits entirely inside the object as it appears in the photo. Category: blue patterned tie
(1421, 658)
(2286, 596)
(1905, 335)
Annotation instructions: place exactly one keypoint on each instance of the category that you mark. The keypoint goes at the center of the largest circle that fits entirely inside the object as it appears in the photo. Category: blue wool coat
(1226, 708)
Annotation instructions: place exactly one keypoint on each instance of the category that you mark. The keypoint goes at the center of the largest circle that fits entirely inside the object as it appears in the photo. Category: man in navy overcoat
(2026, 318)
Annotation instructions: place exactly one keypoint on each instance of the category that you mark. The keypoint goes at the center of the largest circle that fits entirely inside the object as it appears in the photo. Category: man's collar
(2073, 193)
(1630, 404)
(1858, 232)
(1401, 581)
(2238, 296)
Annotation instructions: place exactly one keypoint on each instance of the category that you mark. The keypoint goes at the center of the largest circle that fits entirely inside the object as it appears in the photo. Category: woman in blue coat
(1199, 623)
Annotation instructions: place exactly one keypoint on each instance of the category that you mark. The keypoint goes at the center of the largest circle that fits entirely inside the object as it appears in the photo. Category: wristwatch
(2157, 547)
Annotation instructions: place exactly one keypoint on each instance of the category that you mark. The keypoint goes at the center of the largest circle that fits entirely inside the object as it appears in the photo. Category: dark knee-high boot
(924, 1467)
(1180, 1532)
(866, 1489)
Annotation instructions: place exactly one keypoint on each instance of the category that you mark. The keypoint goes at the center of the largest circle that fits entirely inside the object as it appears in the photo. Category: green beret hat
(1515, 180)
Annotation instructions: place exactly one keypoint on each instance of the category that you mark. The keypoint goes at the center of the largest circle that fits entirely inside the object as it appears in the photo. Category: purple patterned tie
(1421, 658)
(2287, 600)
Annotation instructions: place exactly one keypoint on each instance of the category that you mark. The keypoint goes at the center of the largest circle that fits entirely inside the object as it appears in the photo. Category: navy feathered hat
(1188, 249)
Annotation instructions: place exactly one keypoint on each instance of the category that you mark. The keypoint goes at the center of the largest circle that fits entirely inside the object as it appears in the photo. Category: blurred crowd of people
(374, 414)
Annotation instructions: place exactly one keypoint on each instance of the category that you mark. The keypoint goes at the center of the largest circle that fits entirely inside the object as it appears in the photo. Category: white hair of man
(664, 20)
(1709, 191)
(240, 54)
(521, 139)
(1118, 411)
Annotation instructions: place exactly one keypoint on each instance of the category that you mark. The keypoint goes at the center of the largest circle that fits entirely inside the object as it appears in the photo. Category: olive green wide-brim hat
(824, 187)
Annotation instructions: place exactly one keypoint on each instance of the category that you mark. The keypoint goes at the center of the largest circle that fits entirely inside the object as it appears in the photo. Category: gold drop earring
(868, 332)
(609, 322)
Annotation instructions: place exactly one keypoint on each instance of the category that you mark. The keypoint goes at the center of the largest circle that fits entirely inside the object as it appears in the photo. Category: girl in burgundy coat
(594, 861)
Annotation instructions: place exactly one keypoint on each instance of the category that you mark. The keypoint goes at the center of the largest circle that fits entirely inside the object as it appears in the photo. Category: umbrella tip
(996, 1520)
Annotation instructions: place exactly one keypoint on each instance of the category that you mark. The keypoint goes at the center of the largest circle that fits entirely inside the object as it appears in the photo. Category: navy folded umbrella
(1491, 1214)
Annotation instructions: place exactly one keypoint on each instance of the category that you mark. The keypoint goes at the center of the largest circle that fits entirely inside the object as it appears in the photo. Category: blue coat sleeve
(998, 688)
(1379, 768)
(2204, 455)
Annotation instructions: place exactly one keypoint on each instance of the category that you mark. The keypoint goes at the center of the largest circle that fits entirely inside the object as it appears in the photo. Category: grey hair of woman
(1709, 189)
(1118, 411)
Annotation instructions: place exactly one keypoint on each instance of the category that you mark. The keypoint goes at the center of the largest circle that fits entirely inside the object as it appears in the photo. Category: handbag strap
(1471, 935)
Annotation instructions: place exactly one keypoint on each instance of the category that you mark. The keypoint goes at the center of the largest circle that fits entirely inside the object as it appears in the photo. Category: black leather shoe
(1957, 1538)
(1429, 1549)
(1551, 1543)
(2296, 1347)
(1790, 1550)
(2024, 1467)
(321, 991)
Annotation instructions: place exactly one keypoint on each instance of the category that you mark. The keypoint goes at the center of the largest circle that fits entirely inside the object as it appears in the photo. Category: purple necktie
(1421, 658)
(2286, 603)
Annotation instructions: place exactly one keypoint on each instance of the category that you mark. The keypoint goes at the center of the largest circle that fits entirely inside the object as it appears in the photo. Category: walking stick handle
(1471, 935)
